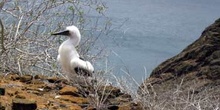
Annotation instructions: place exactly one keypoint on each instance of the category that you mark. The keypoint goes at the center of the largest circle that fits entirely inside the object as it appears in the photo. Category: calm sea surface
(153, 31)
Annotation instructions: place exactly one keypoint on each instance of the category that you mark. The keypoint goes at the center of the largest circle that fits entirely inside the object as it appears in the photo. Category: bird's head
(71, 31)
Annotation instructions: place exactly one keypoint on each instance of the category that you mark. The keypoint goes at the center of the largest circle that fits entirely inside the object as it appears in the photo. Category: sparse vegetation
(26, 44)
(178, 98)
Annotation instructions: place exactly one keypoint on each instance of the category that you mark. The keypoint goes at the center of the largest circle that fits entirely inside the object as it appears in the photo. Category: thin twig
(18, 26)
(2, 36)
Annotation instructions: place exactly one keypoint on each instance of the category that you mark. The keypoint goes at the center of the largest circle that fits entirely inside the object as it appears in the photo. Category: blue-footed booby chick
(69, 58)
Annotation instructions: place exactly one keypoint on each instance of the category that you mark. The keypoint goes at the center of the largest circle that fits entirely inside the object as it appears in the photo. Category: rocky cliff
(196, 68)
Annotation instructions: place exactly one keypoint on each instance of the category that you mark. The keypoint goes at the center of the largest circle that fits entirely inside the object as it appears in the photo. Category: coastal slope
(195, 70)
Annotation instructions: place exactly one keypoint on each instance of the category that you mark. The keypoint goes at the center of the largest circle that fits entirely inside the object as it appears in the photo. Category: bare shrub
(26, 43)
(179, 98)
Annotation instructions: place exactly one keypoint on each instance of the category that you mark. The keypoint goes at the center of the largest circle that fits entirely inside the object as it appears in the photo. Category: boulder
(23, 104)
(2, 91)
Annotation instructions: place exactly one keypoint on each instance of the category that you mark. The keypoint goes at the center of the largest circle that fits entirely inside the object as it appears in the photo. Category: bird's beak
(66, 32)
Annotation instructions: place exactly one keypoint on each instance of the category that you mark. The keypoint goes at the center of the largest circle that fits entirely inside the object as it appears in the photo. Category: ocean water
(153, 31)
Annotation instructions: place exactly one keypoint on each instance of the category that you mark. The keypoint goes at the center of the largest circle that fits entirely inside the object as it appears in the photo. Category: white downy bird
(69, 58)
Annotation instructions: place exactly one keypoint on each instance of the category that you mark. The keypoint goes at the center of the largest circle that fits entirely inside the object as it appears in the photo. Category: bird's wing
(82, 72)
(82, 67)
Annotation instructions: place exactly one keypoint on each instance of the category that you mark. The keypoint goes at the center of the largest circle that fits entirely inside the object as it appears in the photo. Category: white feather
(68, 56)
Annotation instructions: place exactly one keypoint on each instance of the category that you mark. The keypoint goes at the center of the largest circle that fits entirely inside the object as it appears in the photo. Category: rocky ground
(50, 93)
